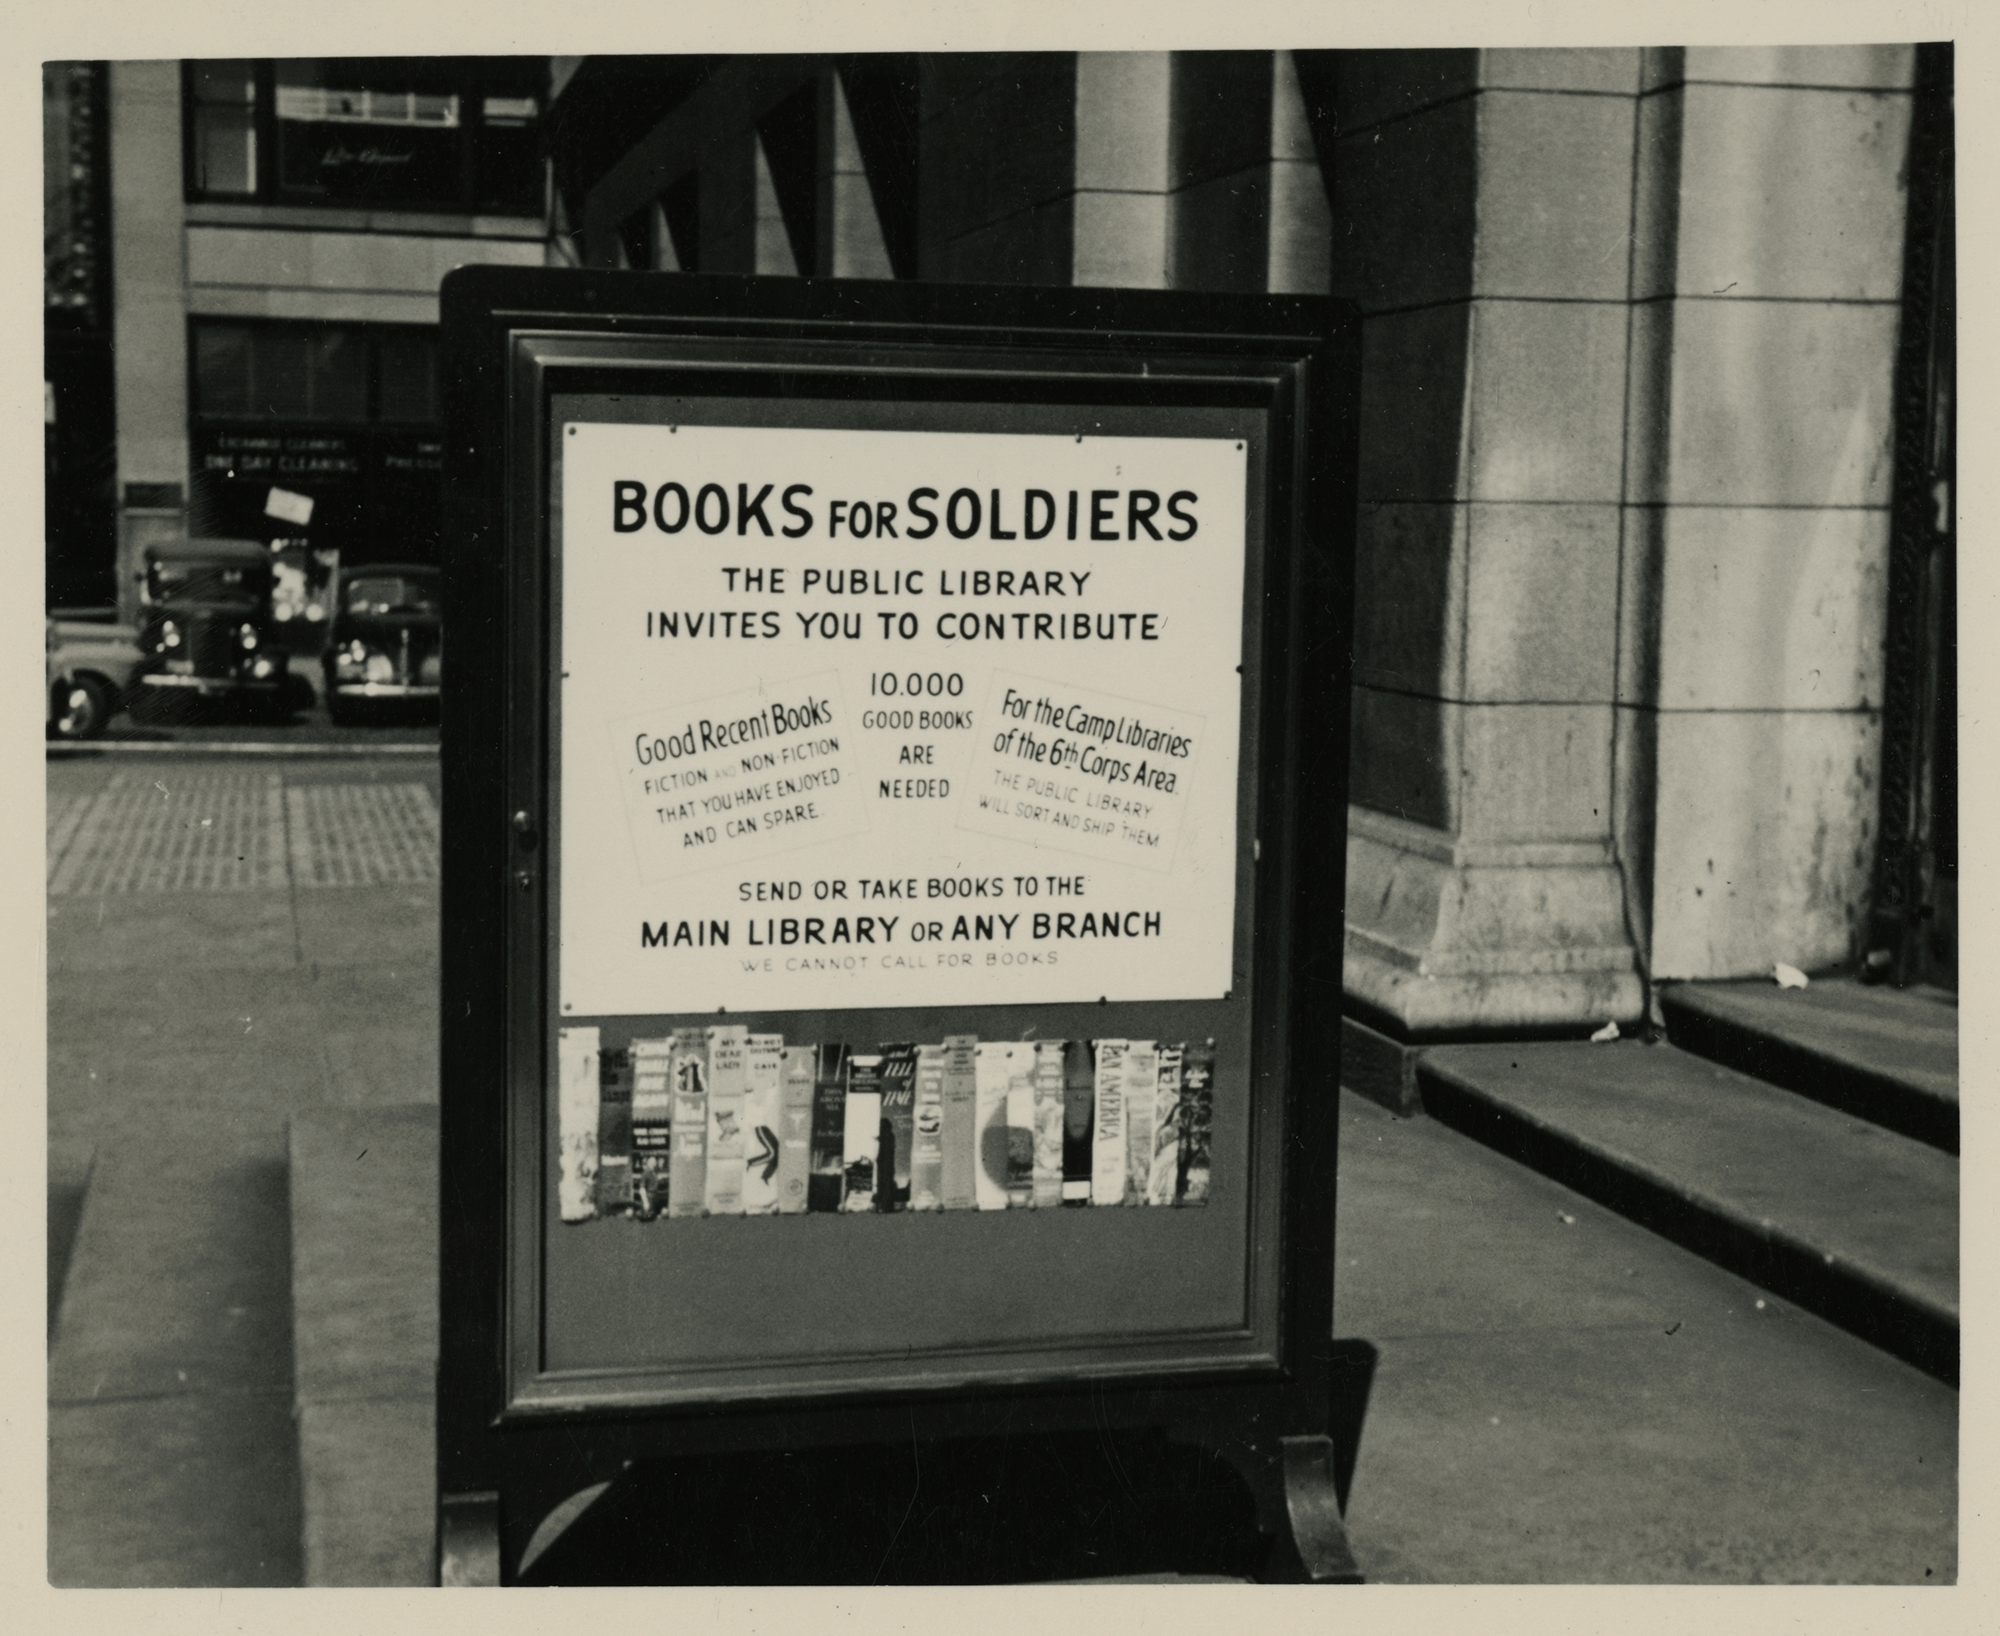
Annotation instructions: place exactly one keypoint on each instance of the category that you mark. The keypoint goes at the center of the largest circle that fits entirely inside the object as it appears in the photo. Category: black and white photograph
(995, 800)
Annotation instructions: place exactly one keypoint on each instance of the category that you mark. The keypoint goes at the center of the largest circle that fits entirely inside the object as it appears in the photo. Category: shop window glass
(337, 375)
(409, 379)
(251, 372)
(222, 370)
(225, 127)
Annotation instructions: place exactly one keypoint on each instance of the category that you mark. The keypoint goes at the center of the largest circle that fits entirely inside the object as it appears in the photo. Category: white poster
(872, 718)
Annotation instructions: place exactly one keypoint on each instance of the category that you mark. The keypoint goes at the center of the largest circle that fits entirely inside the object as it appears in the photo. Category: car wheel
(339, 711)
(82, 707)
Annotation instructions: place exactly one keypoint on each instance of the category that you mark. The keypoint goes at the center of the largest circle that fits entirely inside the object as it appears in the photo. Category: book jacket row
(719, 1121)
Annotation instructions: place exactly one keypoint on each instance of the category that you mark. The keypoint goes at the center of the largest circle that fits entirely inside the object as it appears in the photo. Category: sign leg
(469, 1539)
(1291, 1479)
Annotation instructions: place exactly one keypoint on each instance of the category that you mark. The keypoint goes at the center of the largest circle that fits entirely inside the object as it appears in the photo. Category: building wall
(1765, 304)
(1629, 343)
(174, 260)
(149, 322)
(1629, 322)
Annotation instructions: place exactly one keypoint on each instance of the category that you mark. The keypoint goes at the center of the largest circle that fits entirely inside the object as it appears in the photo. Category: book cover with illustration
(1107, 1140)
(1142, 1088)
(763, 1090)
(899, 1120)
(993, 1068)
(1164, 1179)
(1079, 1119)
(861, 1133)
(795, 1122)
(687, 1180)
(728, 1081)
(1197, 1118)
(927, 1135)
(652, 1125)
(824, 1185)
(961, 1121)
(1047, 1168)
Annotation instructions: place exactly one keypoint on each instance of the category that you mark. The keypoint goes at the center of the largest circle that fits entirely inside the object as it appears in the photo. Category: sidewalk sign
(895, 771)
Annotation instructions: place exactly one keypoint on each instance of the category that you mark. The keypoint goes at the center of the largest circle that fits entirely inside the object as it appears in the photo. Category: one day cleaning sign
(858, 718)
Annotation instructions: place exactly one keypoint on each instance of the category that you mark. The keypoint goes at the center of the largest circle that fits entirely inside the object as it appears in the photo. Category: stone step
(1837, 1215)
(1882, 1054)
(364, 1305)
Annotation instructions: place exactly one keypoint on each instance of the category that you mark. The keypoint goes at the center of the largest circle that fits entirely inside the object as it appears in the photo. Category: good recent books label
(862, 718)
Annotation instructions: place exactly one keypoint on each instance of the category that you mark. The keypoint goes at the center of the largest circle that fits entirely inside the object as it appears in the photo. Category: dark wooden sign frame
(519, 1439)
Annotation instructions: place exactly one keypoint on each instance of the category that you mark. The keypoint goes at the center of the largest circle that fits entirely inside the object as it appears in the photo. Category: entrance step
(1886, 1055)
(1835, 1214)
(364, 1305)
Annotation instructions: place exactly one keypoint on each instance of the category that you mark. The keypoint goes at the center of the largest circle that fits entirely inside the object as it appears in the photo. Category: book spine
(652, 1125)
(795, 1118)
(614, 1132)
(861, 1133)
(1197, 1120)
(1163, 1182)
(687, 1180)
(1079, 1119)
(1046, 1190)
(1020, 1115)
(1107, 1148)
(576, 1123)
(763, 1089)
(961, 1121)
(1142, 1089)
(899, 1119)
(927, 1133)
(829, 1128)
(722, 1190)
(993, 1067)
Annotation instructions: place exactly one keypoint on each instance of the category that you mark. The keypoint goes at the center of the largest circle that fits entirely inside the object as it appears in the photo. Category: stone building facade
(267, 260)
(1652, 674)
(1635, 333)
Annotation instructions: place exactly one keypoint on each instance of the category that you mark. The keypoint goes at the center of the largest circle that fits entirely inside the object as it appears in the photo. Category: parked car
(384, 645)
(91, 663)
(208, 625)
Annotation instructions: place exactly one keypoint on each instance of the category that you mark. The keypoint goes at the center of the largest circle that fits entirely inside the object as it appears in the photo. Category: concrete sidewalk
(227, 946)
(1533, 1389)
(242, 1066)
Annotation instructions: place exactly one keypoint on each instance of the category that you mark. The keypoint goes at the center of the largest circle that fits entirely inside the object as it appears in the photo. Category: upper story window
(459, 134)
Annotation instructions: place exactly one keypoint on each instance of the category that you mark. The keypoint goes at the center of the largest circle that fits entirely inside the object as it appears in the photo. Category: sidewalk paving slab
(365, 1294)
(1836, 1214)
(1560, 1396)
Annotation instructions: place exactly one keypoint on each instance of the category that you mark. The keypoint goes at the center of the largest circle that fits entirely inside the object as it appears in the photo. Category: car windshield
(391, 593)
(208, 582)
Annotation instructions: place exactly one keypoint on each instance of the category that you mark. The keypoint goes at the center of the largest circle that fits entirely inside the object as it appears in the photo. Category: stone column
(1483, 205)
(1249, 205)
(849, 242)
(1769, 232)
(1045, 168)
(149, 312)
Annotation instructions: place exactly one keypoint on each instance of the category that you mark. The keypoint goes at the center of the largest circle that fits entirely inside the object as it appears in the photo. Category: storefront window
(409, 379)
(344, 415)
(258, 372)
(459, 134)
